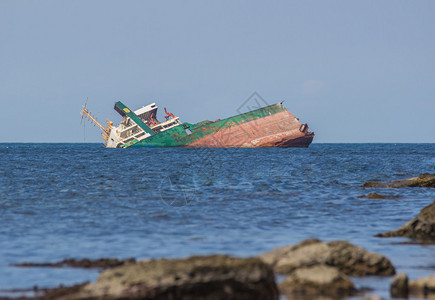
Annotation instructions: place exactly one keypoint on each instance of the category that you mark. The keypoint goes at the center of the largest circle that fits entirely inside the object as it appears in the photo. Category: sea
(61, 201)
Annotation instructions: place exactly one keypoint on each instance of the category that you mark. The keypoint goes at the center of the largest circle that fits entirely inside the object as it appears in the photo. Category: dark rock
(103, 263)
(379, 196)
(423, 287)
(373, 196)
(60, 292)
(315, 281)
(57, 293)
(348, 258)
(210, 277)
(421, 227)
(414, 242)
(399, 286)
(424, 180)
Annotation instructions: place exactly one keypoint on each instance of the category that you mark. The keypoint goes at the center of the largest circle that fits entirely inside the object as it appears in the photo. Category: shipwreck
(269, 126)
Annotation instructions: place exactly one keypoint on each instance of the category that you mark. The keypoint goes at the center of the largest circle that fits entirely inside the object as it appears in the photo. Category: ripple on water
(81, 200)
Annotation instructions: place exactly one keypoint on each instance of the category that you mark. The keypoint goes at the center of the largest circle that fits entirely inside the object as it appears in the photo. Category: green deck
(178, 137)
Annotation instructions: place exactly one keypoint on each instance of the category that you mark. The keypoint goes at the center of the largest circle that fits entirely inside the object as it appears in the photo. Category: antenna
(84, 109)
(87, 114)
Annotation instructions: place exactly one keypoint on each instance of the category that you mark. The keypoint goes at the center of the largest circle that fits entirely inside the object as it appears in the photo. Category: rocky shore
(311, 269)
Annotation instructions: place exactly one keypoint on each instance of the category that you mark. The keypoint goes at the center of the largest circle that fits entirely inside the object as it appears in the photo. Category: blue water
(84, 201)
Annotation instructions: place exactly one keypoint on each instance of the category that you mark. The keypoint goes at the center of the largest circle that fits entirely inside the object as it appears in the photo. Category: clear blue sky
(356, 71)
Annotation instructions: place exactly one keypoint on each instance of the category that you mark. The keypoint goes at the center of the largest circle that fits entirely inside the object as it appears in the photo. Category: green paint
(122, 109)
(178, 137)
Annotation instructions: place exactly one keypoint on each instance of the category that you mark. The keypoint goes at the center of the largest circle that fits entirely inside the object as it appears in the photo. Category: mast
(87, 114)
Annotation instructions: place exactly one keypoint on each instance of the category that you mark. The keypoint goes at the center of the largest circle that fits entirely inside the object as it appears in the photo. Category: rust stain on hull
(281, 129)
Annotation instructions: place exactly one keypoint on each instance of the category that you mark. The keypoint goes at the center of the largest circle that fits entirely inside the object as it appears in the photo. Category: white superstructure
(128, 130)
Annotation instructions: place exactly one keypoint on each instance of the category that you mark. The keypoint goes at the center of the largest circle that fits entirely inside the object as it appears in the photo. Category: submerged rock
(349, 259)
(198, 277)
(424, 180)
(421, 227)
(379, 196)
(319, 280)
(399, 286)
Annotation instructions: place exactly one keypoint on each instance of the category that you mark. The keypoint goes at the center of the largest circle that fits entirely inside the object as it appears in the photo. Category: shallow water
(84, 201)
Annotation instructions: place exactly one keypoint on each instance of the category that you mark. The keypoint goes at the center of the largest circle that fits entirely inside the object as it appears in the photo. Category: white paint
(145, 109)
(119, 136)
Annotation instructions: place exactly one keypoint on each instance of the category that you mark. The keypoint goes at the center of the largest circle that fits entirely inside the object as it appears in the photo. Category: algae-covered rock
(315, 281)
(424, 180)
(198, 277)
(399, 286)
(348, 258)
(421, 227)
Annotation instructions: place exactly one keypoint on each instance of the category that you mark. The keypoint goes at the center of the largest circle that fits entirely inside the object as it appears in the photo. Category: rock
(356, 261)
(198, 277)
(103, 263)
(421, 227)
(305, 254)
(319, 280)
(348, 258)
(379, 196)
(272, 257)
(373, 196)
(399, 286)
(58, 293)
(372, 297)
(423, 287)
(424, 180)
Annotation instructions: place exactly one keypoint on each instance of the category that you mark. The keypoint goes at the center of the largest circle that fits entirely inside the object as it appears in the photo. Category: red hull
(281, 129)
